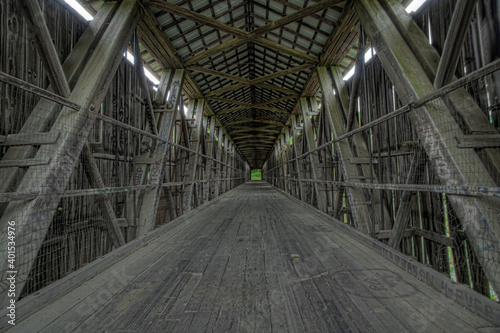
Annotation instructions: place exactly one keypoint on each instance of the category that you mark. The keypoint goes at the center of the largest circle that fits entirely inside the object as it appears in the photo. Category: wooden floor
(253, 261)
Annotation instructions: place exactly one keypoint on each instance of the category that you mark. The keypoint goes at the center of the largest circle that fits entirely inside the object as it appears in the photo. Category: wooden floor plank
(254, 261)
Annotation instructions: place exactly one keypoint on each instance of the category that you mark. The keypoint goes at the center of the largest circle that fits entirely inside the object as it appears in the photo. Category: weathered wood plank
(27, 139)
(478, 141)
(24, 163)
(229, 267)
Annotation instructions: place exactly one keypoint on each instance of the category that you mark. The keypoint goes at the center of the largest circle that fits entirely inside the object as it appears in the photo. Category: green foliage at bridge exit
(256, 174)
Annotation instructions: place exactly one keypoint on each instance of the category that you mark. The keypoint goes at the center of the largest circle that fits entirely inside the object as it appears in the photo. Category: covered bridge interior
(128, 140)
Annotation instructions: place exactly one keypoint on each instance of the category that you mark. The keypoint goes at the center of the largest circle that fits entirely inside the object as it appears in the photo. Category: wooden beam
(459, 26)
(46, 110)
(360, 214)
(195, 17)
(245, 82)
(277, 123)
(195, 144)
(257, 144)
(281, 73)
(435, 237)
(212, 72)
(95, 180)
(255, 82)
(282, 90)
(478, 141)
(253, 136)
(225, 160)
(316, 172)
(356, 79)
(243, 36)
(225, 46)
(459, 100)
(139, 67)
(296, 153)
(218, 172)
(255, 106)
(46, 94)
(47, 50)
(385, 234)
(209, 171)
(405, 206)
(284, 49)
(229, 101)
(34, 217)
(91, 168)
(255, 129)
(149, 206)
(271, 101)
(435, 126)
(294, 17)
(30, 139)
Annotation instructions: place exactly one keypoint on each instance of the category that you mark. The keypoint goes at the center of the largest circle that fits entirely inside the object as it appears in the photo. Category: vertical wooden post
(209, 172)
(360, 213)
(225, 161)
(297, 162)
(166, 121)
(316, 172)
(218, 172)
(195, 144)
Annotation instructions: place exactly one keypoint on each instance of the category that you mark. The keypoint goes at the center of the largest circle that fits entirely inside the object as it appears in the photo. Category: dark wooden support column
(34, 217)
(437, 130)
(158, 158)
(296, 152)
(218, 172)
(195, 144)
(209, 165)
(277, 164)
(225, 159)
(229, 162)
(58, 79)
(316, 172)
(286, 157)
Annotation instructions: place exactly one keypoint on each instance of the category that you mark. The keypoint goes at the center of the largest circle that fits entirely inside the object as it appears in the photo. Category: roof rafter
(242, 36)
(246, 82)
(239, 108)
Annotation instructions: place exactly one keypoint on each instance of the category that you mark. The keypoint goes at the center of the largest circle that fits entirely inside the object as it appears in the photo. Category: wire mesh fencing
(77, 184)
(428, 188)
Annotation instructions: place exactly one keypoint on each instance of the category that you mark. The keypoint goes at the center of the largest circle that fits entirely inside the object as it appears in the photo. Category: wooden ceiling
(251, 60)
